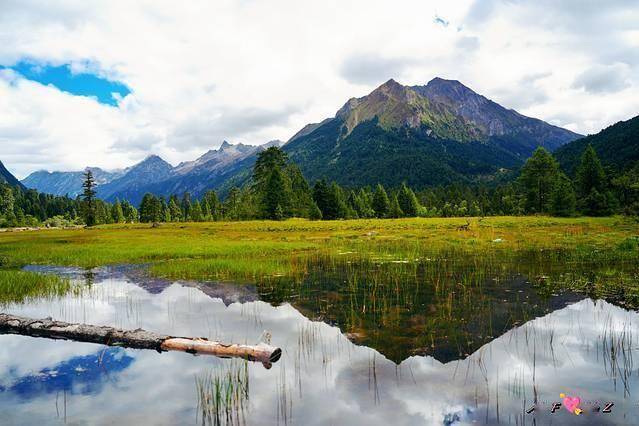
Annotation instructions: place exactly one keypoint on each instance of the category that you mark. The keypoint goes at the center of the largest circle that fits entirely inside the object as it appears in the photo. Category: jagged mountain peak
(215, 158)
(443, 88)
(394, 105)
(152, 158)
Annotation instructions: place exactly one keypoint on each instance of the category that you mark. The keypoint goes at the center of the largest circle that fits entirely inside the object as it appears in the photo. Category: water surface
(356, 353)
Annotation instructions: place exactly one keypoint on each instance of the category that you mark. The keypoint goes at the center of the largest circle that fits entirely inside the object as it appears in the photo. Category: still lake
(355, 352)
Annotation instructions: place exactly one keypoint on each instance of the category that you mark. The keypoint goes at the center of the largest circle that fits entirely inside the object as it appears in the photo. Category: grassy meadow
(251, 249)
(436, 286)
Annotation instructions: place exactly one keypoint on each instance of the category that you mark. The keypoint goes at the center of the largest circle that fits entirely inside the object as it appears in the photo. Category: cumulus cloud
(604, 78)
(526, 92)
(251, 72)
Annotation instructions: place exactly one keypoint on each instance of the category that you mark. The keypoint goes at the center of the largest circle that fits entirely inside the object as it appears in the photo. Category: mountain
(7, 177)
(507, 127)
(308, 129)
(220, 169)
(439, 133)
(215, 158)
(67, 183)
(152, 169)
(617, 147)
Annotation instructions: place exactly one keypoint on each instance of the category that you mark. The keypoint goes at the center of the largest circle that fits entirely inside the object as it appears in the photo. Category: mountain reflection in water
(576, 346)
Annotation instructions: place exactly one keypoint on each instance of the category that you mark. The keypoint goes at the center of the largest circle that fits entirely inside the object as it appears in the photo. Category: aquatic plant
(223, 394)
(22, 286)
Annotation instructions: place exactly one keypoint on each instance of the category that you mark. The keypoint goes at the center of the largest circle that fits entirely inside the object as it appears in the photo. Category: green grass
(21, 286)
(250, 250)
(405, 286)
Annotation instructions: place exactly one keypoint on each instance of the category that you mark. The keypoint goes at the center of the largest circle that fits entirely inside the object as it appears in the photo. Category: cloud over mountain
(251, 72)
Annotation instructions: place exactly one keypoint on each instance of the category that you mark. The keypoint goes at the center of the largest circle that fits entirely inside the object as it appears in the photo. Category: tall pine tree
(592, 185)
(381, 203)
(88, 198)
(537, 179)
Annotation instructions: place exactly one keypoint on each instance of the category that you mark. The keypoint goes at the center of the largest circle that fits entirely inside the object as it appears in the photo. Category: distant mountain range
(439, 133)
(212, 170)
(67, 183)
(617, 147)
(7, 177)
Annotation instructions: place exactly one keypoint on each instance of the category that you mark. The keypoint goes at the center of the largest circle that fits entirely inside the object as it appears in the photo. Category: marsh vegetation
(408, 293)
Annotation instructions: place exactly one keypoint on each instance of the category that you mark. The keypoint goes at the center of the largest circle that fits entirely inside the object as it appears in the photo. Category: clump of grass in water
(223, 394)
(22, 286)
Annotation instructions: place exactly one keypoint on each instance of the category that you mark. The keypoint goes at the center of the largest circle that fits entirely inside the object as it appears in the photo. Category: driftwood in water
(136, 339)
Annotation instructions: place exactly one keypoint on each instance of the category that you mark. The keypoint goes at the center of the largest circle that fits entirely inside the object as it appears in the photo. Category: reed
(22, 287)
(223, 394)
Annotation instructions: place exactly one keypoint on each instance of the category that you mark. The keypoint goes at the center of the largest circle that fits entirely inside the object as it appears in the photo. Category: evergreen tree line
(278, 190)
(20, 207)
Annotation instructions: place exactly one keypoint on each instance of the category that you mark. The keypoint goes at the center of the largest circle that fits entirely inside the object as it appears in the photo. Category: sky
(107, 83)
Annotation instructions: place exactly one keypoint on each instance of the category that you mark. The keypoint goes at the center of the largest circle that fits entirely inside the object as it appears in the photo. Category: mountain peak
(440, 80)
(391, 83)
(391, 89)
(151, 161)
(152, 158)
(225, 145)
(439, 88)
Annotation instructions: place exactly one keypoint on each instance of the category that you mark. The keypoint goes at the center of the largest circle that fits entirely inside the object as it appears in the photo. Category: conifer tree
(537, 179)
(268, 160)
(315, 213)
(563, 201)
(196, 212)
(301, 198)
(88, 198)
(206, 210)
(590, 173)
(130, 212)
(408, 201)
(592, 185)
(174, 209)
(338, 203)
(186, 206)
(381, 203)
(275, 195)
(395, 210)
(118, 214)
(214, 204)
(6, 199)
(147, 207)
(102, 213)
(325, 200)
(232, 204)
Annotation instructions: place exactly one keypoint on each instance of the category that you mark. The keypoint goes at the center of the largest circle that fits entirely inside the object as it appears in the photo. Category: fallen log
(135, 339)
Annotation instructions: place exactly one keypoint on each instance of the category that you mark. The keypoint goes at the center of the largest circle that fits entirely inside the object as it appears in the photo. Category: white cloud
(249, 71)
(604, 78)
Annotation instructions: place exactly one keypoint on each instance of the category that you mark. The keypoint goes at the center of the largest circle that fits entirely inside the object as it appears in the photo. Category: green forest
(278, 190)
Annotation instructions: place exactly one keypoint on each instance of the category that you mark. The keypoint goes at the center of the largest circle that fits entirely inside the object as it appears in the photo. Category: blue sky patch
(82, 84)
